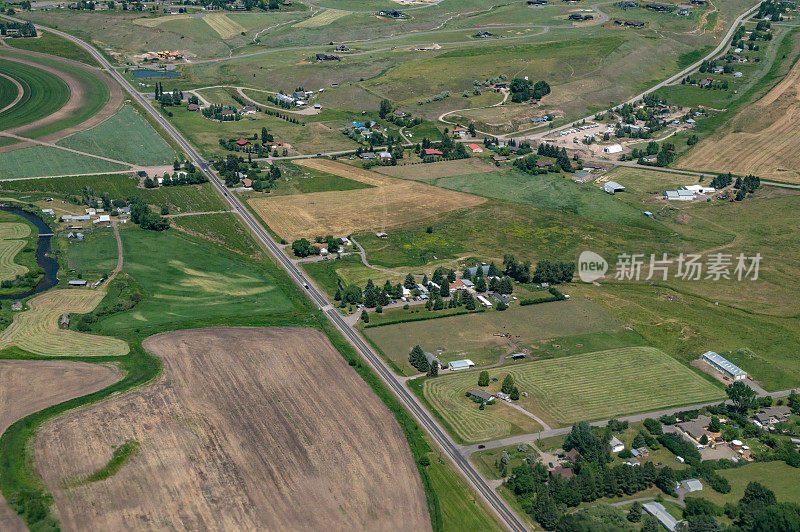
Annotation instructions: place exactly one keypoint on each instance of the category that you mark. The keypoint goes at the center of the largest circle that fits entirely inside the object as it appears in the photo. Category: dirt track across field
(27, 386)
(246, 429)
(76, 99)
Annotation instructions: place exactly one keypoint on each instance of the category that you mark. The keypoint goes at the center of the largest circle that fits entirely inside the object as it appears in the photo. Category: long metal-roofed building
(658, 511)
(724, 365)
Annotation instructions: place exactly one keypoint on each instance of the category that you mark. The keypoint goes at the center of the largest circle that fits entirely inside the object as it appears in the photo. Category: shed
(612, 187)
(616, 445)
(432, 359)
(480, 394)
(613, 148)
(723, 365)
(77, 282)
(517, 356)
(692, 484)
(461, 364)
(658, 511)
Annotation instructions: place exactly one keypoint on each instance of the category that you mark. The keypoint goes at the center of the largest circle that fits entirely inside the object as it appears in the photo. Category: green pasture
(44, 93)
(565, 390)
(96, 254)
(140, 144)
(52, 44)
(192, 198)
(221, 228)
(304, 180)
(486, 337)
(36, 161)
(190, 283)
(777, 476)
(347, 270)
(8, 92)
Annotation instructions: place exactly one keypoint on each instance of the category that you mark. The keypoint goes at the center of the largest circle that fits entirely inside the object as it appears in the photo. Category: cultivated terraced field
(36, 330)
(247, 429)
(11, 243)
(565, 390)
(762, 139)
(391, 203)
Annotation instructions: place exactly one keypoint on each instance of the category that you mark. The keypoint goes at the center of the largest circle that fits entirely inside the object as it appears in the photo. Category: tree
(514, 395)
(666, 481)
(650, 524)
(409, 282)
(592, 448)
(653, 426)
(635, 513)
(508, 384)
(433, 370)
(741, 395)
(385, 108)
(483, 378)
(714, 425)
(480, 284)
(417, 359)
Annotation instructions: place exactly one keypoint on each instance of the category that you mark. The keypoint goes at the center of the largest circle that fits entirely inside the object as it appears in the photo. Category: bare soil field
(762, 139)
(27, 386)
(391, 203)
(427, 171)
(246, 429)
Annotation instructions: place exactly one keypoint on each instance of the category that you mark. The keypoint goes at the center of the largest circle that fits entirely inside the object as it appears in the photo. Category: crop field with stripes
(37, 329)
(12, 241)
(565, 390)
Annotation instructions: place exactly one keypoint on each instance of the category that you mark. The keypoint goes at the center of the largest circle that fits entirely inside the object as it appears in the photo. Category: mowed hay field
(391, 202)
(323, 19)
(11, 243)
(223, 25)
(762, 139)
(27, 386)
(591, 386)
(36, 330)
(247, 429)
(441, 169)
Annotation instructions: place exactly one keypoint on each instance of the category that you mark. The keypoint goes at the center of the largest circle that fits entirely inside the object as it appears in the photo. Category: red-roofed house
(243, 142)
(247, 182)
(431, 151)
(475, 148)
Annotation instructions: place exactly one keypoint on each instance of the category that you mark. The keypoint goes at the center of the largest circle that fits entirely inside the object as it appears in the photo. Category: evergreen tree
(483, 378)
(508, 384)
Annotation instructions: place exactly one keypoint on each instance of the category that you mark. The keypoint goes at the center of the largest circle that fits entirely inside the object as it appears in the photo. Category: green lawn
(50, 43)
(488, 460)
(777, 476)
(189, 283)
(193, 198)
(140, 144)
(40, 161)
(565, 390)
(347, 270)
(479, 336)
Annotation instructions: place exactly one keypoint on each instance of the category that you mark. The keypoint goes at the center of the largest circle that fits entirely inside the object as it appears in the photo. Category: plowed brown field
(247, 429)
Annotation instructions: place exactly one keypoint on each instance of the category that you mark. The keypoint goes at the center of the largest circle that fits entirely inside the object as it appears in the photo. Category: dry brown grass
(435, 170)
(27, 386)
(390, 203)
(247, 429)
(762, 139)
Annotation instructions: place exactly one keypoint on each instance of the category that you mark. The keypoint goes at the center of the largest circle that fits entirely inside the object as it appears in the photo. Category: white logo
(591, 266)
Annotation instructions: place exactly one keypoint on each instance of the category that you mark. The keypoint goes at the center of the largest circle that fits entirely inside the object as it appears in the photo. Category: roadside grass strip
(565, 390)
(36, 330)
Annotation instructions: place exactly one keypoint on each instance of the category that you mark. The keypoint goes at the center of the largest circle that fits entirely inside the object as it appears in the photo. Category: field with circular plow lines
(246, 429)
(562, 391)
(43, 94)
(36, 330)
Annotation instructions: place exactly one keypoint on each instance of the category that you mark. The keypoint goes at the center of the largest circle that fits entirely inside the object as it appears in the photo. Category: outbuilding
(613, 148)
(612, 187)
(457, 365)
(722, 364)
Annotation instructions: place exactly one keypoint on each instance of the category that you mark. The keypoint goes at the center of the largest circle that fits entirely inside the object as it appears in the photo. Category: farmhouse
(483, 34)
(658, 511)
(475, 148)
(328, 57)
(457, 365)
(385, 156)
(434, 152)
(480, 394)
(723, 365)
(695, 428)
(691, 484)
(612, 187)
(474, 270)
(243, 142)
(192, 107)
(285, 99)
(537, 2)
(613, 148)
(249, 109)
(391, 13)
(768, 416)
(543, 163)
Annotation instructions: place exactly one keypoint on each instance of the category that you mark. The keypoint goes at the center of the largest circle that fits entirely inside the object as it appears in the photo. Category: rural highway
(509, 518)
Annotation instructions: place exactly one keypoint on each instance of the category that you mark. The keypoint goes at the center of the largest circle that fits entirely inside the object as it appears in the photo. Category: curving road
(425, 419)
